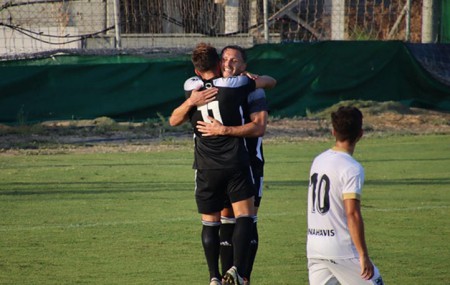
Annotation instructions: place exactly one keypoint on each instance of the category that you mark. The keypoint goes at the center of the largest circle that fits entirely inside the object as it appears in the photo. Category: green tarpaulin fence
(310, 77)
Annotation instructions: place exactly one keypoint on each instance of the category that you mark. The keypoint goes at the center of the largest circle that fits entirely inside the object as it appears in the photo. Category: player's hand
(367, 268)
(199, 98)
(250, 75)
(212, 128)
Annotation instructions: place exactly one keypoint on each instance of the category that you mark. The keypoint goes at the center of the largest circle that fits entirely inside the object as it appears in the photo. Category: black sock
(241, 243)
(226, 244)
(253, 249)
(211, 247)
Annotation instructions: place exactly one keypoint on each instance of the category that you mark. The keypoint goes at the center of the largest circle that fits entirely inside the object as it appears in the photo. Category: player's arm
(180, 114)
(196, 98)
(255, 128)
(356, 227)
(265, 81)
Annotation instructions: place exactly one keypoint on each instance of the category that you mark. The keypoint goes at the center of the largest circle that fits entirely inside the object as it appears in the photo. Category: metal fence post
(266, 20)
(429, 21)
(408, 20)
(117, 24)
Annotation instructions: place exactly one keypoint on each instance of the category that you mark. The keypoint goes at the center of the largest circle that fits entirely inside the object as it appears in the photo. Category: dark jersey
(220, 152)
(256, 103)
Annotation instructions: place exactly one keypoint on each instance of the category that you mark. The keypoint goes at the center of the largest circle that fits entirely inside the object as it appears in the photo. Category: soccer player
(233, 63)
(221, 162)
(336, 247)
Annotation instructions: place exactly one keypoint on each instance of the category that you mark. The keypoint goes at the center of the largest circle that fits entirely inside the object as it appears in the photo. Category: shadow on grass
(408, 181)
(92, 188)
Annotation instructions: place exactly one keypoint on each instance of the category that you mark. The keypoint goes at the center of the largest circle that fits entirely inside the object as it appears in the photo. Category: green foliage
(361, 34)
(130, 218)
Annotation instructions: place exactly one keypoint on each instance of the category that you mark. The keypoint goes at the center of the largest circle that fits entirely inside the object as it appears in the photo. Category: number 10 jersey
(334, 176)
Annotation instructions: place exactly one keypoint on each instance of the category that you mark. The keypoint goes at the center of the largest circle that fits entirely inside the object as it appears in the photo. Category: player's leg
(319, 273)
(243, 232)
(253, 248)
(241, 192)
(226, 237)
(211, 243)
(209, 195)
(348, 271)
(254, 242)
(236, 275)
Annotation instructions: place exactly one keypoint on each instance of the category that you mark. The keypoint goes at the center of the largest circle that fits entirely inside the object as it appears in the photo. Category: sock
(211, 247)
(241, 243)
(253, 248)
(226, 243)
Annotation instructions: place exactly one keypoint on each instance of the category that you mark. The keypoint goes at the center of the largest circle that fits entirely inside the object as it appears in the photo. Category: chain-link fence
(30, 27)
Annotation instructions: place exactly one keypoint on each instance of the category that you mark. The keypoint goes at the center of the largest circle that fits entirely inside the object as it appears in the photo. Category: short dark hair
(205, 57)
(347, 123)
(238, 48)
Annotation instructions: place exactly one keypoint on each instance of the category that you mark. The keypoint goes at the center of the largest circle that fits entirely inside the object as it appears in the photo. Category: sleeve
(236, 82)
(257, 101)
(193, 83)
(354, 183)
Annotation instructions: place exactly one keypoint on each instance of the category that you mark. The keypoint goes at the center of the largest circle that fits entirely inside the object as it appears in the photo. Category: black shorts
(258, 180)
(213, 186)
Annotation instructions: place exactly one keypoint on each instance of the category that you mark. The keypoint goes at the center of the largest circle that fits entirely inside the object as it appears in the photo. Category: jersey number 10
(320, 193)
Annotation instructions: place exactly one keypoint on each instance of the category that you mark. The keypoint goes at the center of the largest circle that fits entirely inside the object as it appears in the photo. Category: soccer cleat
(215, 281)
(232, 277)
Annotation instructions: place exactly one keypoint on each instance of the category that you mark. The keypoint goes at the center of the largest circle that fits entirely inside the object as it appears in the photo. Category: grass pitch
(130, 218)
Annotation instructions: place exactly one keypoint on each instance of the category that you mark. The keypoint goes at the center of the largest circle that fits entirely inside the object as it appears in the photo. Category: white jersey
(334, 176)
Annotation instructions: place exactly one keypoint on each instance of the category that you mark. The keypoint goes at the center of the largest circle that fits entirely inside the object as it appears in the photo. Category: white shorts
(339, 271)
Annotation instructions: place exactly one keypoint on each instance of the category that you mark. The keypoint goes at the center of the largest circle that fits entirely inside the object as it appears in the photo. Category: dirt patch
(105, 135)
(417, 122)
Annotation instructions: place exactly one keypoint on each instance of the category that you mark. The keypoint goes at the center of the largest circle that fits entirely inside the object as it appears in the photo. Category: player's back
(333, 176)
(220, 152)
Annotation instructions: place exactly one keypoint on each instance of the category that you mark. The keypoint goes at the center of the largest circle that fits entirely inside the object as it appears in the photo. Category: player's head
(347, 124)
(234, 60)
(205, 58)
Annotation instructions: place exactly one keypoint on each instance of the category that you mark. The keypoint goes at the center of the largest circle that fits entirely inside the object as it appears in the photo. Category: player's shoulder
(193, 83)
(349, 164)
(232, 82)
(257, 94)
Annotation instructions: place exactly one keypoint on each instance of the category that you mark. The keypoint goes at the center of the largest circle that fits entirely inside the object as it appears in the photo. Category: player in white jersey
(336, 247)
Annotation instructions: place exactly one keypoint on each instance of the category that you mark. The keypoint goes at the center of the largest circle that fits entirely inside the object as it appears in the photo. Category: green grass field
(130, 218)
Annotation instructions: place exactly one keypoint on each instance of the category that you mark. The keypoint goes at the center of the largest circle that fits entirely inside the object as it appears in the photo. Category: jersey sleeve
(257, 101)
(236, 82)
(193, 83)
(355, 181)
